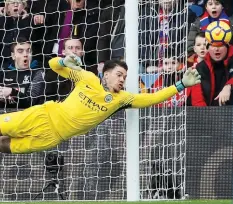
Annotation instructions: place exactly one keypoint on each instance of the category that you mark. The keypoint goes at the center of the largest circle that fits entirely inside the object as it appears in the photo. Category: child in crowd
(200, 50)
(172, 72)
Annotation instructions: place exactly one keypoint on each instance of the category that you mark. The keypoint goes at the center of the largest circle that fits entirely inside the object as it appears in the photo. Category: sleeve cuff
(61, 63)
(179, 86)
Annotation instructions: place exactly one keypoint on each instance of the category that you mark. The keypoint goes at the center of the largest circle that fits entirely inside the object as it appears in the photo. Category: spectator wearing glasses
(14, 23)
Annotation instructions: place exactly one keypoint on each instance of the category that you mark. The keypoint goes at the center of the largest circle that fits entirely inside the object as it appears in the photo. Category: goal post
(132, 115)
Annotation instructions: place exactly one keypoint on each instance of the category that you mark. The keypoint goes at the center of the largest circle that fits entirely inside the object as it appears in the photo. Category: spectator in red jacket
(171, 73)
(217, 78)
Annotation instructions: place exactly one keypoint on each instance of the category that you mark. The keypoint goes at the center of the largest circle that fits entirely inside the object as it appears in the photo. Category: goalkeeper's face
(115, 79)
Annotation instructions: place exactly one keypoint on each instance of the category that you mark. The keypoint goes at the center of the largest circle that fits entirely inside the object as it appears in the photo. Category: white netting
(94, 167)
(162, 132)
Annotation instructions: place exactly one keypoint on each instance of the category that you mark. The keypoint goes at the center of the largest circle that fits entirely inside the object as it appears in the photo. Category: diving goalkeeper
(42, 127)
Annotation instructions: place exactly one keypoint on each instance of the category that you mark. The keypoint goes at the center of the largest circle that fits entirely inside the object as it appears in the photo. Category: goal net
(93, 167)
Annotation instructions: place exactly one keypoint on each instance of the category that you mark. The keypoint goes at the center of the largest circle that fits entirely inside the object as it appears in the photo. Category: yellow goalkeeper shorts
(30, 130)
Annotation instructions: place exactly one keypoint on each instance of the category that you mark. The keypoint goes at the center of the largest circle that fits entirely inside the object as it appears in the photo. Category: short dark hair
(220, 1)
(111, 64)
(64, 42)
(227, 45)
(19, 40)
(199, 34)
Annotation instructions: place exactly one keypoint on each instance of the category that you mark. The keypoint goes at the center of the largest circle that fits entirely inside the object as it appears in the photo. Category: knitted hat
(218, 45)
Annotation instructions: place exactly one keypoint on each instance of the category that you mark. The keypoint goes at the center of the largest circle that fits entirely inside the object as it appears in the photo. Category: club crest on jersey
(108, 98)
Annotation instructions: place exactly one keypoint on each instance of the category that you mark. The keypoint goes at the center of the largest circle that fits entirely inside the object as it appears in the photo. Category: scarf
(163, 34)
(206, 19)
(65, 30)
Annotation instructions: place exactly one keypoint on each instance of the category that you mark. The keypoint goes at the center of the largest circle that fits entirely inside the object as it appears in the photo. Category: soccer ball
(218, 33)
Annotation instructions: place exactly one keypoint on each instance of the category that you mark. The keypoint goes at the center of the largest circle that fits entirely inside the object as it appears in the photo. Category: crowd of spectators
(214, 63)
(216, 67)
(34, 31)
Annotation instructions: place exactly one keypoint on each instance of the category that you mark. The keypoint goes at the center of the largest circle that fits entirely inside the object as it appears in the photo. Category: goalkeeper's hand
(191, 77)
(71, 61)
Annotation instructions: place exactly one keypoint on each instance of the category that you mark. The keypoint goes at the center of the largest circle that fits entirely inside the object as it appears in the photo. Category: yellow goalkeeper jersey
(89, 104)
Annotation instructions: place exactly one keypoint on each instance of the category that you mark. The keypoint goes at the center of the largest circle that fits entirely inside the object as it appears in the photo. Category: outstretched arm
(147, 99)
(191, 77)
(67, 67)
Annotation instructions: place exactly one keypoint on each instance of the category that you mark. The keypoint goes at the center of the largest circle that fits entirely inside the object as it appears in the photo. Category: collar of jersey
(33, 65)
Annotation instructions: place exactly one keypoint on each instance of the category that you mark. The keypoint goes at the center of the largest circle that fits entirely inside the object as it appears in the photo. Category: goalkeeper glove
(191, 77)
(71, 61)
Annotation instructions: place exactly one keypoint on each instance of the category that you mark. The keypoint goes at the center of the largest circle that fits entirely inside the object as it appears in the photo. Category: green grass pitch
(121, 202)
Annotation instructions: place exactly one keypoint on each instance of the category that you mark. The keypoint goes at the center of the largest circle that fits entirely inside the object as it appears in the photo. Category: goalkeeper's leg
(27, 131)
